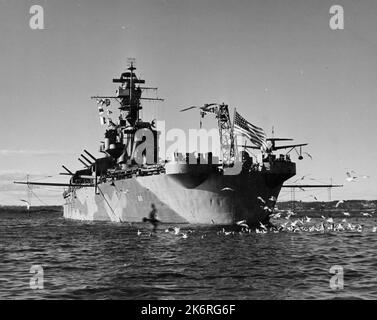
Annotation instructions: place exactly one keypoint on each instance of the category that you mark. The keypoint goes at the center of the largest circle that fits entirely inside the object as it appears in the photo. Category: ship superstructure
(198, 188)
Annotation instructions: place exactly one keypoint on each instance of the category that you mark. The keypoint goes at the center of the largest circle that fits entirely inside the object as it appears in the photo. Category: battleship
(194, 188)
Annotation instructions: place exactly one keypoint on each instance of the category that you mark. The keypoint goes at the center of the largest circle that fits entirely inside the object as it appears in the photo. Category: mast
(120, 141)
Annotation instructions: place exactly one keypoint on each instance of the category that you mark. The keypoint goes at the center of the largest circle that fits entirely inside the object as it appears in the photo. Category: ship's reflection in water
(87, 260)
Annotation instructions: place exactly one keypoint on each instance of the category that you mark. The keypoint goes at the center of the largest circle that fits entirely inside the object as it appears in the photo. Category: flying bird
(28, 205)
(338, 203)
(261, 199)
(276, 216)
(227, 189)
(311, 158)
(263, 226)
(242, 223)
(293, 224)
(189, 108)
(289, 214)
(301, 178)
(350, 177)
(359, 175)
(204, 108)
(266, 208)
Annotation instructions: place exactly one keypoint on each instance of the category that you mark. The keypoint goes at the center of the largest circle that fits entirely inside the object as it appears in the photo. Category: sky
(278, 62)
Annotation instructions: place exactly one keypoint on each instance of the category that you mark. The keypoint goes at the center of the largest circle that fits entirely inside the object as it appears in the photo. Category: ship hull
(205, 198)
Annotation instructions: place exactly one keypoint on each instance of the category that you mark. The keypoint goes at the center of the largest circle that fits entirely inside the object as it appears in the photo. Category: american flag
(255, 134)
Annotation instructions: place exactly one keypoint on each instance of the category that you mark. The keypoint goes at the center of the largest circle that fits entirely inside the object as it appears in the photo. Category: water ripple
(95, 260)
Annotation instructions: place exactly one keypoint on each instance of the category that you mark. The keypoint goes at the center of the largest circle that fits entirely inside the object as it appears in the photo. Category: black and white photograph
(210, 151)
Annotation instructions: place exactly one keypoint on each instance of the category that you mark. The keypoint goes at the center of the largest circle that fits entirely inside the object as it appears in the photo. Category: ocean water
(96, 260)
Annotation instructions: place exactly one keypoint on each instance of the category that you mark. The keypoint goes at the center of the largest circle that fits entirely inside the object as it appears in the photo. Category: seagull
(265, 208)
(176, 230)
(289, 214)
(184, 236)
(227, 189)
(350, 226)
(138, 232)
(359, 176)
(344, 220)
(311, 158)
(204, 108)
(338, 203)
(293, 224)
(323, 217)
(242, 223)
(261, 199)
(346, 214)
(374, 229)
(330, 220)
(28, 205)
(284, 224)
(262, 226)
(308, 219)
(350, 177)
(339, 227)
(365, 214)
(189, 108)
(301, 178)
